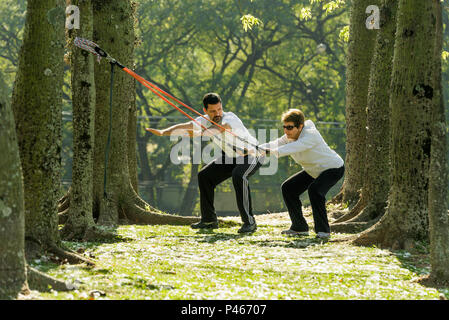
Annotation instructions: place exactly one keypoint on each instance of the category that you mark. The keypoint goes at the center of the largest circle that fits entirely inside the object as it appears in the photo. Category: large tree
(359, 56)
(12, 218)
(118, 198)
(438, 214)
(36, 103)
(79, 222)
(412, 99)
(15, 276)
(373, 200)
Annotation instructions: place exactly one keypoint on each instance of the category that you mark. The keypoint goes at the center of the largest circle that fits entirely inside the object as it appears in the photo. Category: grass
(172, 262)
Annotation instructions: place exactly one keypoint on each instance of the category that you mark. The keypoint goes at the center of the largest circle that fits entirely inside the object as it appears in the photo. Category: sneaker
(248, 228)
(323, 235)
(291, 232)
(205, 225)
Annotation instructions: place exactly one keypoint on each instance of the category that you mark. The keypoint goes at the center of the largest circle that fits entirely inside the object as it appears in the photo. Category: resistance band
(96, 50)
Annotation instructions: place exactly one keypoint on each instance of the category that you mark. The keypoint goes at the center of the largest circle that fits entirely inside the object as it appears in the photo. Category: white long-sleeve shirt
(309, 150)
(226, 140)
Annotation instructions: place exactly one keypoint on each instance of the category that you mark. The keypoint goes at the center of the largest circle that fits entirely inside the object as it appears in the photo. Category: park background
(192, 47)
(296, 57)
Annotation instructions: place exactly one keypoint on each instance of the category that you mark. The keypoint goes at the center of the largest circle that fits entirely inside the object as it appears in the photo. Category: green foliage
(344, 34)
(249, 21)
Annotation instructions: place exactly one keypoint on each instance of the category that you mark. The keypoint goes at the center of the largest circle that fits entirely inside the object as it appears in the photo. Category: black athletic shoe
(205, 225)
(248, 228)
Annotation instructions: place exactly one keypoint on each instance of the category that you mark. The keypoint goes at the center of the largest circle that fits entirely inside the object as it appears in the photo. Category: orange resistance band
(153, 87)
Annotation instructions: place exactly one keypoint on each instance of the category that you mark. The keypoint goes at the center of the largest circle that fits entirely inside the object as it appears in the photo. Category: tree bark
(12, 220)
(360, 53)
(412, 99)
(37, 109)
(191, 193)
(79, 217)
(438, 214)
(37, 106)
(376, 183)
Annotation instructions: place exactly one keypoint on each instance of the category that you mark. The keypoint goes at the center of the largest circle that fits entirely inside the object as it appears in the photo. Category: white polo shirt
(309, 150)
(226, 140)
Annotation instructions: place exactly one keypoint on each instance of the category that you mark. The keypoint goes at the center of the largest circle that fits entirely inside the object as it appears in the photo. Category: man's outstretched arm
(187, 127)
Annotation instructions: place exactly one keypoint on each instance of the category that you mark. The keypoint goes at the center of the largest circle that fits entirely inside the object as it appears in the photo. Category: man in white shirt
(322, 169)
(238, 160)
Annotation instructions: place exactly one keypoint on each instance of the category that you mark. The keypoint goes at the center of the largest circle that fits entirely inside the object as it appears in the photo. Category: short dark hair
(211, 98)
(293, 115)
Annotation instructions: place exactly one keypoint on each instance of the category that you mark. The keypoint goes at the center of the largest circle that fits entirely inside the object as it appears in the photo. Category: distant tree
(413, 97)
(376, 182)
(359, 56)
(79, 222)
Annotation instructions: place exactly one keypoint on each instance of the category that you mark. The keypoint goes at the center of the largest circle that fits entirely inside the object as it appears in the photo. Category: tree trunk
(360, 53)
(438, 214)
(376, 182)
(191, 193)
(119, 197)
(12, 219)
(412, 99)
(79, 217)
(132, 138)
(37, 108)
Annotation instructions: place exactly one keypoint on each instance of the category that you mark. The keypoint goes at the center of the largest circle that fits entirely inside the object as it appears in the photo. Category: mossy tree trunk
(37, 109)
(376, 182)
(80, 220)
(438, 214)
(119, 199)
(412, 99)
(37, 104)
(15, 276)
(360, 53)
(12, 217)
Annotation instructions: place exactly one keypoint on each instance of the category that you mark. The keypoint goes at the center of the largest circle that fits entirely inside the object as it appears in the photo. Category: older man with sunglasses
(322, 169)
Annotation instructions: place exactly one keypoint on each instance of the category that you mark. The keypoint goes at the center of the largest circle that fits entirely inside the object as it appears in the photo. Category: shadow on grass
(212, 236)
(417, 261)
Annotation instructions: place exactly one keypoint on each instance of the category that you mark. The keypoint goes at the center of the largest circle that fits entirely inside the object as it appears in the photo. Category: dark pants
(317, 188)
(218, 171)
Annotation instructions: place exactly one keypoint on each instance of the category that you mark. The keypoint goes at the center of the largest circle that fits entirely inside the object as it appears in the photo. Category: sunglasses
(289, 127)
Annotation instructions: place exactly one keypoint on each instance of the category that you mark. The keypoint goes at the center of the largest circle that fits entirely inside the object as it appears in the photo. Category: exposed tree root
(384, 237)
(69, 255)
(337, 199)
(353, 225)
(370, 212)
(349, 227)
(136, 214)
(434, 282)
(63, 216)
(64, 202)
(41, 282)
(89, 234)
(353, 212)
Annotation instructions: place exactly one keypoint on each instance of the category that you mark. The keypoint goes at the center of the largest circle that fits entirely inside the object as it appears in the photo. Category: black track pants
(317, 188)
(218, 171)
